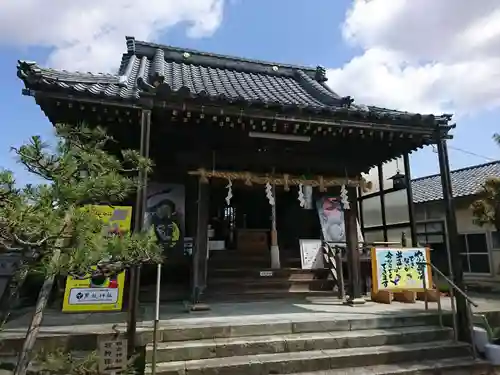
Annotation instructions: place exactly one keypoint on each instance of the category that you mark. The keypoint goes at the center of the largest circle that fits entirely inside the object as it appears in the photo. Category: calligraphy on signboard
(112, 355)
(397, 269)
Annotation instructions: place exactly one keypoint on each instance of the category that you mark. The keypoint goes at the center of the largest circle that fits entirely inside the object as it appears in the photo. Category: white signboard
(112, 355)
(266, 273)
(93, 296)
(311, 254)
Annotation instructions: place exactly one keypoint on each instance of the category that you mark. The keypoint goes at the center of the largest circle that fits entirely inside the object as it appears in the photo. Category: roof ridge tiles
(465, 182)
(470, 167)
(26, 67)
(318, 91)
(200, 57)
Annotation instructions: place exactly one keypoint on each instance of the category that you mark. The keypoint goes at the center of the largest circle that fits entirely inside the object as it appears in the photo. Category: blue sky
(301, 32)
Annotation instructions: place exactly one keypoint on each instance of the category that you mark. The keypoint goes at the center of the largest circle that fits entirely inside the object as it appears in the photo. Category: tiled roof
(191, 73)
(464, 182)
(194, 73)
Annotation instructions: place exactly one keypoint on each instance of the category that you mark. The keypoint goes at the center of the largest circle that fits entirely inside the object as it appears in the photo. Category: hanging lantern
(398, 181)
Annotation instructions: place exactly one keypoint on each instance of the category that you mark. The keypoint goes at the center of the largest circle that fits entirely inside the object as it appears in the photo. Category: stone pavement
(174, 314)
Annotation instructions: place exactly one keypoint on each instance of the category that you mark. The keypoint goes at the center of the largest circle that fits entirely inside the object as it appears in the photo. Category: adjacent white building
(480, 246)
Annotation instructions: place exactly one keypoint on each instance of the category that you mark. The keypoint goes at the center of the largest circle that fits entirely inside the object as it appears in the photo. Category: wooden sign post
(112, 355)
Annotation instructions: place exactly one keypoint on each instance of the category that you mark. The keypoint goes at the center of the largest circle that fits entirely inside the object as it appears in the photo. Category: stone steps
(224, 261)
(241, 273)
(450, 366)
(239, 346)
(280, 325)
(262, 283)
(263, 295)
(313, 360)
(386, 344)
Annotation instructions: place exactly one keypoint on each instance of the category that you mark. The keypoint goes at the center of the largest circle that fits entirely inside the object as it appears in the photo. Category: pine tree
(48, 223)
(486, 209)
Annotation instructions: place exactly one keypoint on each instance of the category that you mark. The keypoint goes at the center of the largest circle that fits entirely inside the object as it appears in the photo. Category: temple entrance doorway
(245, 224)
(294, 223)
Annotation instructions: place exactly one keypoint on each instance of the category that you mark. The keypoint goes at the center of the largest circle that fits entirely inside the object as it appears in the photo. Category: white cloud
(89, 35)
(425, 55)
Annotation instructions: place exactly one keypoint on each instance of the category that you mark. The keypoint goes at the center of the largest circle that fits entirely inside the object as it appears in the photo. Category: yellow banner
(100, 294)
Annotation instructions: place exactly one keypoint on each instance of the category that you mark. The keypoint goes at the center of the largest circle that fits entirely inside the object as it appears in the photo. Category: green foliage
(486, 209)
(38, 220)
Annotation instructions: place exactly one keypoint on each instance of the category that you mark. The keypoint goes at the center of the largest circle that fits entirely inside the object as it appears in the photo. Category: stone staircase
(318, 346)
(247, 275)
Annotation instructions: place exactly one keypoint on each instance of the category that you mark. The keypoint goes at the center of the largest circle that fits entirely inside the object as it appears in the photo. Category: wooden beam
(285, 180)
(271, 115)
(265, 161)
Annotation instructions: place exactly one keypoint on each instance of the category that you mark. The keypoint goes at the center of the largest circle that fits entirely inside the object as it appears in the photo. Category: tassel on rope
(344, 198)
(229, 195)
(269, 193)
(248, 179)
(286, 185)
(322, 184)
(203, 176)
(301, 197)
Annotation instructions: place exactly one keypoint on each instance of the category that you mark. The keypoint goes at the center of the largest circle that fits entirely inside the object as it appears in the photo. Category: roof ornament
(130, 44)
(145, 86)
(123, 80)
(320, 74)
(346, 102)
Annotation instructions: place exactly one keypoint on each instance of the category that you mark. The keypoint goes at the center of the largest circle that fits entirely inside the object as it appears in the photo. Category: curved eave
(132, 86)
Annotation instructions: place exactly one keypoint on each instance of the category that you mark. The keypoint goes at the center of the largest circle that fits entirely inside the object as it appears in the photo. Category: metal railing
(468, 300)
(333, 260)
(334, 255)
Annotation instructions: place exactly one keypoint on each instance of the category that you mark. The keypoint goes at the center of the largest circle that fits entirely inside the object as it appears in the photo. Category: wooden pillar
(140, 208)
(353, 255)
(275, 250)
(381, 185)
(454, 257)
(200, 255)
(411, 206)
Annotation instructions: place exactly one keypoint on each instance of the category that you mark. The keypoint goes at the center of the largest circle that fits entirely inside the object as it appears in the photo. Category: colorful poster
(94, 294)
(398, 269)
(100, 293)
(113, 217)
(165, 213)
(331, 217)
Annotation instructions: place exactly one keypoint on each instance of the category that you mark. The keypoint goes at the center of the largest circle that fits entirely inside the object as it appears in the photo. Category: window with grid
(431, 232)
(474, 253)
